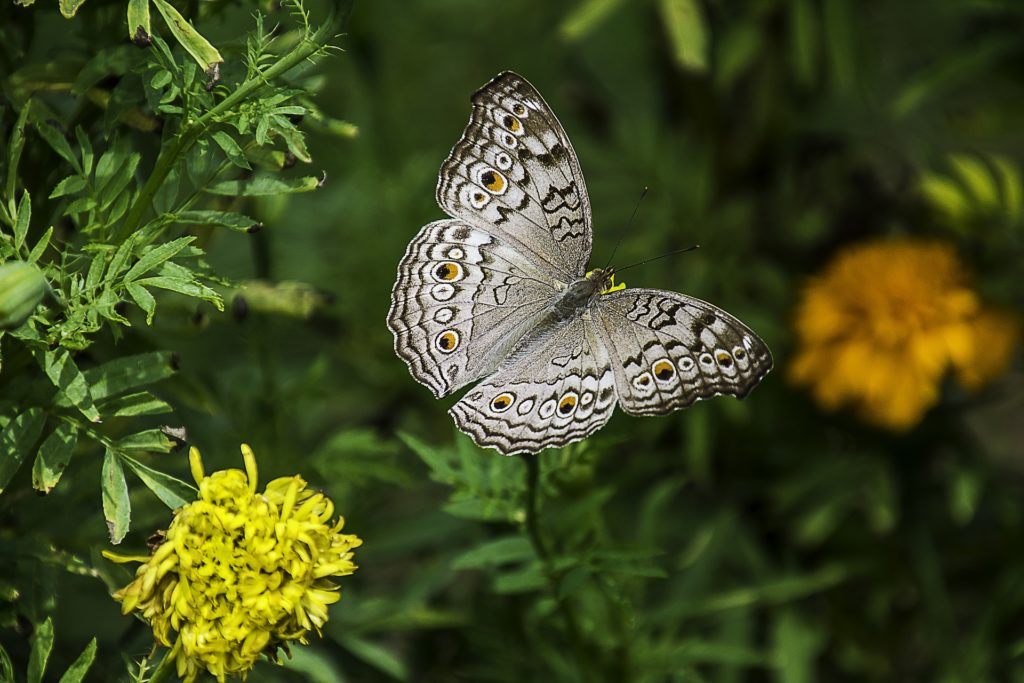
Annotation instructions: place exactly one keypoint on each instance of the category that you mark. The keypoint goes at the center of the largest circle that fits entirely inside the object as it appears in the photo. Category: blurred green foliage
(756, 540)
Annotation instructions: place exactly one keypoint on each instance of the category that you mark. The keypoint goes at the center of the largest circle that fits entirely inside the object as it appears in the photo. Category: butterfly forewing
(514, 173)
(669, 350)
(461, 301)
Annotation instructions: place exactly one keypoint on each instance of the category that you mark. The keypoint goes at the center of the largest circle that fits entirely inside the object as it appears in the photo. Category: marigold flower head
(882, 325)
(240, 573)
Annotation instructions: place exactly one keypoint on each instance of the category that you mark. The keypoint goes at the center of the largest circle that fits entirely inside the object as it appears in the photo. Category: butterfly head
(603, 280)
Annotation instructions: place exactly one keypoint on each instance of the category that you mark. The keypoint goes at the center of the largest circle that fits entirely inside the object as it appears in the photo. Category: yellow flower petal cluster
(240, 573)
(886, 320)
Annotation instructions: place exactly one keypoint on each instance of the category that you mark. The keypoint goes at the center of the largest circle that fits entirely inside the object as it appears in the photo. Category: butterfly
(500, 292)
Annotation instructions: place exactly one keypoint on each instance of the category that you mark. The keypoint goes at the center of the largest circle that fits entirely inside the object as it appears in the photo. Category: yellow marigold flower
(240, 573)
(879, 329)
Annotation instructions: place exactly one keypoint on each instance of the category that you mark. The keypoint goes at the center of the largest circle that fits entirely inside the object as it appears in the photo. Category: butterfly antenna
(671, 253)
(628, 224)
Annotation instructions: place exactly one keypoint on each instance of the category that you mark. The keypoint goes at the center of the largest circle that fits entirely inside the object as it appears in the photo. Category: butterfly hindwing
(556, 388)
(670, 350)
(515, 173)
(461, 301)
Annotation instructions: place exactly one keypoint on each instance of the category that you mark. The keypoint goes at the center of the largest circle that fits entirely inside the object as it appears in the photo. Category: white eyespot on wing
(456, 253)
(442, 292)
(547, 409)
(444, 315)
(503, 161)
(525, 406)
(687, 367)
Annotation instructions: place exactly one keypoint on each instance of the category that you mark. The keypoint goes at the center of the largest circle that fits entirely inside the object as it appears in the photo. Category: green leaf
(945, 195)
(6, 669)
(738, 51)
(42, 645)
(437, 460)
(186, 286)
(55, 138)
(220, 219)
(231, 148)
(295, 140)
(76, 672)
(117, 509)
(54, 455)
(96, 268)
(804, 42)
(17, 440)
(797, 645)
(687, 29)
(154, 257)
(73, 184)
(24, 215)
(1010, 185)
(171, 491)
(976, 178)
(139, 30)
(120, 258)
(526, 580)
(141, 296)
(496, 552)
(587, 15)
(113, 190)
(376, 656)
(40, 248)
(22, 288)
(85, 146)
(840, 29)
(71, 383)
(69, 7)
(944, 75)
(132, 405)
(14, 148)
(129, 372)
(149, 440)
(264, 185)
(195, 44)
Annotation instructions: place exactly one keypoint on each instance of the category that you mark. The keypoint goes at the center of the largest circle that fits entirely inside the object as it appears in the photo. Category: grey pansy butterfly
(500, 291)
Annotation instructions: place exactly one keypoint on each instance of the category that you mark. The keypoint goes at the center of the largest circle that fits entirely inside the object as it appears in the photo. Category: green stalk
(190, 133)
(166, 666)
(554, 578)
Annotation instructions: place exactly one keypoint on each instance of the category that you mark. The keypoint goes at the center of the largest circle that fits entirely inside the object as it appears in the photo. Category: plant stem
(165, 667)
(553, 575)
(190, 133)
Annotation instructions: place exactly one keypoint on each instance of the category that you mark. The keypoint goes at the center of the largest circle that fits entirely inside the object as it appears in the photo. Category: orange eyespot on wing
(723, 358)
(664, 370)
(493, 181)
(567, 404)
(502, 402)
(448, 271)
(511, 122)
(447, 341)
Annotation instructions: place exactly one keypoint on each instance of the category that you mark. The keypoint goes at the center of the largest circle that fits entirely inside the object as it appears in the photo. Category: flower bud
(22, 287)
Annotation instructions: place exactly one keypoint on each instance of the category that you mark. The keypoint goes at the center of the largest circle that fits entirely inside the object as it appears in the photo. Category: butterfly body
(500, 293)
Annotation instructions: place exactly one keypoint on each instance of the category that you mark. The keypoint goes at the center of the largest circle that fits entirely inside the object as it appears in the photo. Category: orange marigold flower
(883, 324)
